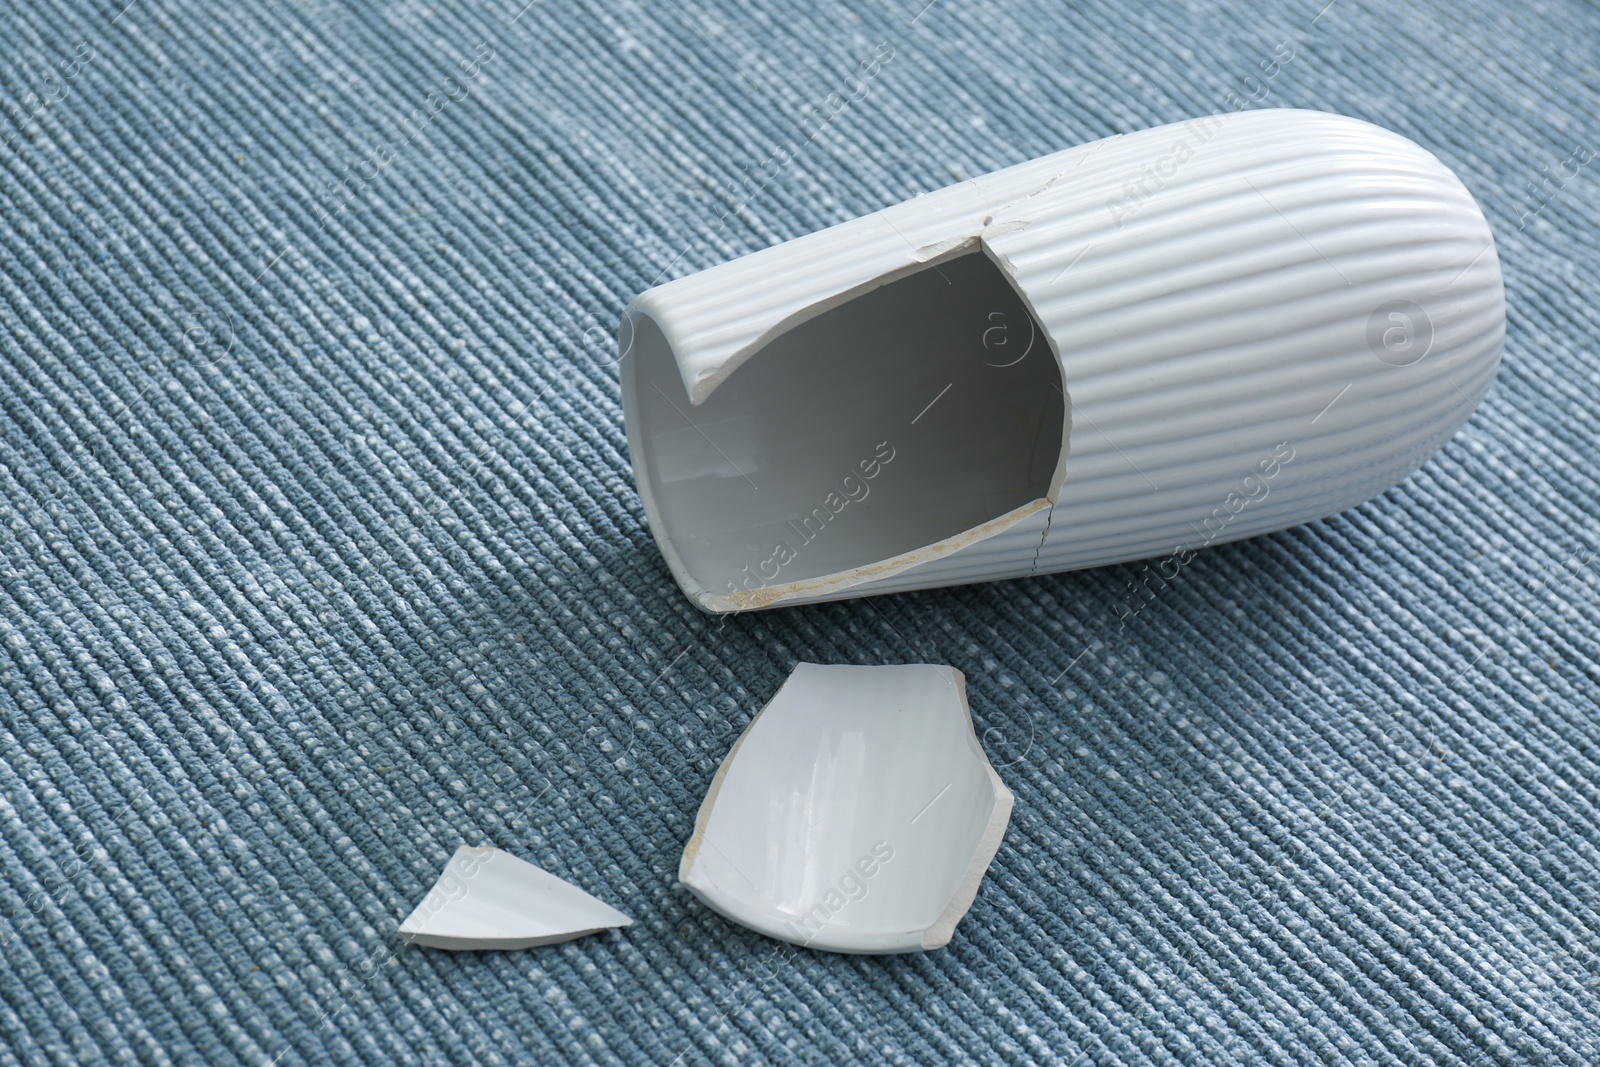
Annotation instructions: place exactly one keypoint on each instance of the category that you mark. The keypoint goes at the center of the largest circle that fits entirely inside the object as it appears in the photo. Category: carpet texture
(321, 555)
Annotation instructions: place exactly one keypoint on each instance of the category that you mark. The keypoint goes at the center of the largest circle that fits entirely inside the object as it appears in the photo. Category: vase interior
(913, 412)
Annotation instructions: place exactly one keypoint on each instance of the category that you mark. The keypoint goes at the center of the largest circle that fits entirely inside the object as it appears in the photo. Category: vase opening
(910, 414)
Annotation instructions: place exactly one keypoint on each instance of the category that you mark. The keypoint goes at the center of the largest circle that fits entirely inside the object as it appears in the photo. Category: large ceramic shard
(856, 813)
(1134, 348)
(489, 899)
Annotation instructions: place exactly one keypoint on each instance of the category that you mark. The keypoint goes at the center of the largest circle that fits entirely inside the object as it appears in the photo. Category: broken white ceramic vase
(489, 899)
(1139, 347)
(856, 813)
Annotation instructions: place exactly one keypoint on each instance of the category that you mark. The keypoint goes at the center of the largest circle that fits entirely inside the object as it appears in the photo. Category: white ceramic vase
(1136, 348)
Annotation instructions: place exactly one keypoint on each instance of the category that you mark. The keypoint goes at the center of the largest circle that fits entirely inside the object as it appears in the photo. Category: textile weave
(320, 555)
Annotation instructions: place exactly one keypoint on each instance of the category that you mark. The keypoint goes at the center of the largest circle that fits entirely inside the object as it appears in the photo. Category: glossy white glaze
(1271, 288)
(489, 899)
(856, 813)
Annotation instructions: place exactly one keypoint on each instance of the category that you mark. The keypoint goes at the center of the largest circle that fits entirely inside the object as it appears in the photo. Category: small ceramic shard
(1116, 352)
(856, 813)
(489, 899)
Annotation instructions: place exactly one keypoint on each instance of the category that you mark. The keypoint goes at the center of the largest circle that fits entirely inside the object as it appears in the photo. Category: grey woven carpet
(321, 555)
